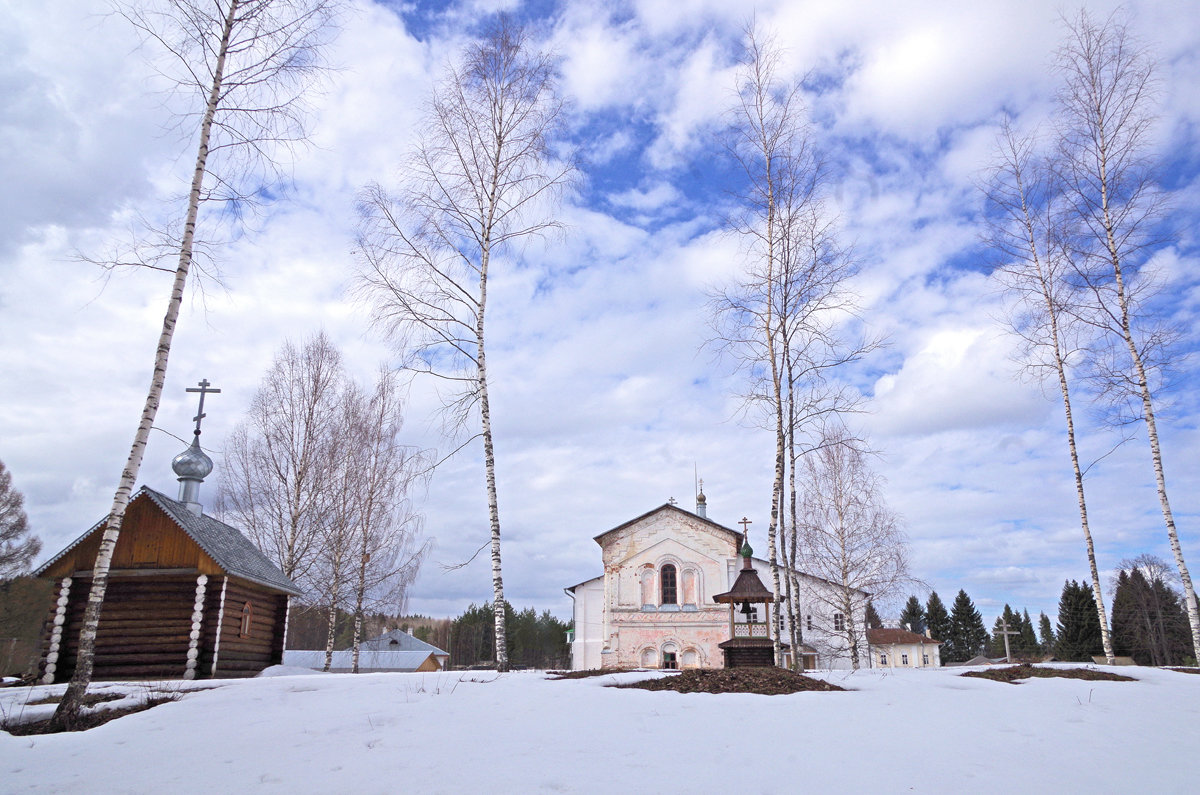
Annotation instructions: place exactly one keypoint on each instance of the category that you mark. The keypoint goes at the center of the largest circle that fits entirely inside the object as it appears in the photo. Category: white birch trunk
(68, 709)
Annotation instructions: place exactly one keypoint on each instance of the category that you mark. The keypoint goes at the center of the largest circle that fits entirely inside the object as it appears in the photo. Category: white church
(653, 605)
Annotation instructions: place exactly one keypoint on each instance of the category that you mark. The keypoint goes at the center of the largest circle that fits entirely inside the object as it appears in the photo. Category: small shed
(188, 597)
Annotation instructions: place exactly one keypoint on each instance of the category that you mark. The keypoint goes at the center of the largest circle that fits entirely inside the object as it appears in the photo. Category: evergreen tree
(912, 617)
(1149, 622)
(1045, 635)
(968, 635)
(937, 620)
(1078, 625)
(1028, 642)
(871, 617)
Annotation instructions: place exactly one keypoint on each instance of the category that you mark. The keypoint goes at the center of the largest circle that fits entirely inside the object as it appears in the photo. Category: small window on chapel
(904, 659)
(808, 622)
(247, 616)
(883, 659)
(668, 585)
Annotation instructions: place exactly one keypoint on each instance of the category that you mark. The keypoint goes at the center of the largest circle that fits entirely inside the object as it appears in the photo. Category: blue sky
(606, 400)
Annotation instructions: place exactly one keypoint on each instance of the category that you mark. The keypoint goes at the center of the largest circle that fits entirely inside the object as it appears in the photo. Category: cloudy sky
(606, 401)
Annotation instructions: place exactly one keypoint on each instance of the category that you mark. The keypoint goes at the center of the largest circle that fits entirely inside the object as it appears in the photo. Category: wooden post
(220, 621)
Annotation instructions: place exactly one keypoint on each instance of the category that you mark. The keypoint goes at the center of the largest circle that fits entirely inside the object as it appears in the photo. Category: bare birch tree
(850, 538)
(1106, 113)
(388, 526)
(280, 461)
(1045, 312)
(779, 322)
(248, 64)
(481, 178)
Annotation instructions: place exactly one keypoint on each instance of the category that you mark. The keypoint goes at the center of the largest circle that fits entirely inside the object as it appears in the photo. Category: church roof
(734, 534)
(228, 548)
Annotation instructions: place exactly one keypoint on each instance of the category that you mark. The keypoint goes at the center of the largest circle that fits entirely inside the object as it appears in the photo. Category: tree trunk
(66, 715)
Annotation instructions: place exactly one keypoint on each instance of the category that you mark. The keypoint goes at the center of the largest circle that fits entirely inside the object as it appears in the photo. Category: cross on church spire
(203, 390)
(744, 523)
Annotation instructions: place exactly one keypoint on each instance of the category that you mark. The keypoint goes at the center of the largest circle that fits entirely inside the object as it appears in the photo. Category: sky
(607, 402)
(375, 733)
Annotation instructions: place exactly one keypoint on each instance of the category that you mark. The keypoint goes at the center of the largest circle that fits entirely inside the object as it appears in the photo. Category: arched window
(670, 657)
(247, 615)
(667, 585)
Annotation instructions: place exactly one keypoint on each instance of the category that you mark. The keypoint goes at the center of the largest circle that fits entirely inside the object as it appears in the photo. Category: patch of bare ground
(763, 681)
(1015, 673)
(1186, 670)
(588, 673)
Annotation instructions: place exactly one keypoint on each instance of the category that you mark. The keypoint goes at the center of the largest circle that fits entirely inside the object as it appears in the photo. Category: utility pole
(1005, 631)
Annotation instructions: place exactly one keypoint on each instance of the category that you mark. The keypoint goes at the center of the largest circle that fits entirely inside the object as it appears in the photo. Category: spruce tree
(912, 617)
(1045, 634)
(937, 620)
(968, 635)
(871, 617)
(1028, 639)
(1078, 625)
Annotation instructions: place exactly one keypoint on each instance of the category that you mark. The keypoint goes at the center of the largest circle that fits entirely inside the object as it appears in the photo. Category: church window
(247, 616)
(904, 659)
(924, 659)
(883, 659)
(668, 585)
(670, 657)
(808, 622)
(839, 622)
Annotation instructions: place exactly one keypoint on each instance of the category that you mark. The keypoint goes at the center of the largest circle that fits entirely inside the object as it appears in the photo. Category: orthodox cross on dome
(744, 523)
(203, 390)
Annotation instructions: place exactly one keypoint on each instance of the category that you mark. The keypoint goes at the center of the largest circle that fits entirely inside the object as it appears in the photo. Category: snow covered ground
(479, 732)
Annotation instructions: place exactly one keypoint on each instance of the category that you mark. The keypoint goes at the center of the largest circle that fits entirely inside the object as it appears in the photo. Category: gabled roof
(367, 660)
(228, 548)
(885, 636)
(399, 640)
(734, 535)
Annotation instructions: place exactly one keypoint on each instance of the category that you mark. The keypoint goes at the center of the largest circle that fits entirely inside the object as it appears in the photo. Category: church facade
(653, 605)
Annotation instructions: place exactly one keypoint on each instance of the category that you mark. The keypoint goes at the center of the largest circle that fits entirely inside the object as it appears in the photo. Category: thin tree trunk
(489, 462)
(66, 716)
(1160, 480)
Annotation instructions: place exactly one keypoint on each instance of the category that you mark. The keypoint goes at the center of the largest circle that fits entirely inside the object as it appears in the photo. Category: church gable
(664, 561)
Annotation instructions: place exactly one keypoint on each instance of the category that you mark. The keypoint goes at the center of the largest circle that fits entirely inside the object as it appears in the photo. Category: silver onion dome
(193, 463)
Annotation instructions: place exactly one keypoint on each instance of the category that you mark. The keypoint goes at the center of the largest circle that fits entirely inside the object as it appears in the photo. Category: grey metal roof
(228, 548)
(368, 660)
(399, 640)
(231, 550)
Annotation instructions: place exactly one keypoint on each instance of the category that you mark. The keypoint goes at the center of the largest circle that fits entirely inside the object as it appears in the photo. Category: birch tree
(1106, 114)
(851, 539)
(388, 527)
(481, 179)
(780, 321)
(1045, 311)
(247, 65)
(280, 465)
